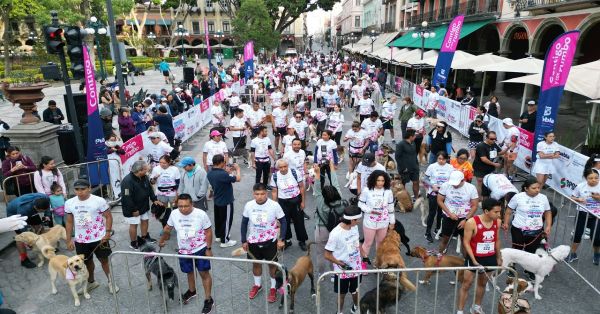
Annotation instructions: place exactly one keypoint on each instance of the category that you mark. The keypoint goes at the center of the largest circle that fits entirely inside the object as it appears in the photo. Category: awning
(381, 42)
(440, 32)
(164, 22)
(148, 22)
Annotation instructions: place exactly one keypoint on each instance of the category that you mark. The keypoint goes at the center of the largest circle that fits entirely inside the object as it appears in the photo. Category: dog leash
(108, 244)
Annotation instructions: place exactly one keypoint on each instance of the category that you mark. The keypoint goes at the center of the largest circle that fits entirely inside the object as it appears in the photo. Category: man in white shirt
(213, 147)
(299, 126)
(510, 147)
(238, 126)
(374, 129)
(276, 97)
(234, 103)
(194, 238)
(216, 112)
(364, 169)
(432, 103)
(280, 123)
(388, 111)
(157, 148)
(256, 118)
(296, 157)
(261, 153)
(365, 107)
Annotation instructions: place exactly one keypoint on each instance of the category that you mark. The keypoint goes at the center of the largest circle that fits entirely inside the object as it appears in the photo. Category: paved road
(28, 291)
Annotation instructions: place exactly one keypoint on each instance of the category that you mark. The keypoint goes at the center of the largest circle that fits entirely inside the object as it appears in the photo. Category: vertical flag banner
(557, 65)
(249, 59)
(208, 50)
(444, 61)
(96, 149)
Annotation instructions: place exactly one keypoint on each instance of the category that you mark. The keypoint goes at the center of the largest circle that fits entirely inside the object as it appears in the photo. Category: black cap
(81, 183)
(368, 159)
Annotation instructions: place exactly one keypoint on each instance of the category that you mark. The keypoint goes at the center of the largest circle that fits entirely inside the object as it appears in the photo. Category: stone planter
(26, 96)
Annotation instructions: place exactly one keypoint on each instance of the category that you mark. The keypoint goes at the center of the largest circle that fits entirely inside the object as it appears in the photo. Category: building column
(566, 105)
(499, 89)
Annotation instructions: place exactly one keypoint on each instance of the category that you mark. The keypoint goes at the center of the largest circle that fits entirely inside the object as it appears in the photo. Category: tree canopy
(253, 22)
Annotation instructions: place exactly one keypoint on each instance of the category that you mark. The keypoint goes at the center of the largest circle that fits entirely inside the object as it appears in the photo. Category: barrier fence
(425, 299)
(568, 173)
(229, 288)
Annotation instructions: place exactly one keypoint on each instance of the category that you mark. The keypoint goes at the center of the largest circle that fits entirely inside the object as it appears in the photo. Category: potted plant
(24, 90)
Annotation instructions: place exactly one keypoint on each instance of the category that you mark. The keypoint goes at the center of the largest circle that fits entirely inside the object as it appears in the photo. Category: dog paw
(54, 291)
(77, 303)
(87, 296)
(538, 297)
(424, 224)
(40, 264)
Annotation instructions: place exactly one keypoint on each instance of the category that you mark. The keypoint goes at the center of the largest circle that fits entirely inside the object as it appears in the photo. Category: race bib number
(485, 248)
(84, 219)
(493, 154)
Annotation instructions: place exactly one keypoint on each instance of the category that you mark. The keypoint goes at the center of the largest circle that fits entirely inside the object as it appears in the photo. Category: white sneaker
(217, 239)
(228, 243)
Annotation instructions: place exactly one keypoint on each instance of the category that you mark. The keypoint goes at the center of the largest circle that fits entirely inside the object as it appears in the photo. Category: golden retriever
(430, 260)
(72, 269)
(388, 256)
(39, 241)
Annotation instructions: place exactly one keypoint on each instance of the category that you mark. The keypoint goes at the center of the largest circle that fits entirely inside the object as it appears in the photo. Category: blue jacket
(138, 121)
(23, 205)
(163, 66)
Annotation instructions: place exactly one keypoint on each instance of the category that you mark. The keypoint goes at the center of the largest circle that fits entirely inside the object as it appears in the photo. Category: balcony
(551, 6)
(388, 27)
(471, 9)
(210, 9)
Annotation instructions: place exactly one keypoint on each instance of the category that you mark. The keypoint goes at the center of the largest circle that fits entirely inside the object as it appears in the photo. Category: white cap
(508, 121)
(177, 89)
(531, 102)
(456, 177)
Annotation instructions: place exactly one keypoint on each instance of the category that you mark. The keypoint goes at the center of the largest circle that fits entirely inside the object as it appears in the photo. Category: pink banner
(526, 139)
(208, 50)
(249, 51)
(452, 34)
(131, 147)
(559, 60)
(204, 105)
(90, 83)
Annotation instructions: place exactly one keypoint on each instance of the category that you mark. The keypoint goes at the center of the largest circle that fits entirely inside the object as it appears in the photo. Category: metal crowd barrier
(77, 171)
(406, 300)
(231, 280)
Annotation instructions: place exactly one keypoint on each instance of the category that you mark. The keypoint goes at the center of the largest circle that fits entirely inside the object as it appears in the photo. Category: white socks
(273, 283)
(459, 312)
(257, 281)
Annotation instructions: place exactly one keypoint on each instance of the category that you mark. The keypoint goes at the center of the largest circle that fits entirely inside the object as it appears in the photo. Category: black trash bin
(66, 141)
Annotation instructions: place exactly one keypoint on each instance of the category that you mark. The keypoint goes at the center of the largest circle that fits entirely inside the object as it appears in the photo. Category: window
(211, 27)
(226, 28)
(196, 27)
(209, 3)
(357, 21)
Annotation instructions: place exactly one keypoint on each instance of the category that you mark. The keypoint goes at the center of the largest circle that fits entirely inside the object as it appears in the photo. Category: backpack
(293, 174)
(333, 216)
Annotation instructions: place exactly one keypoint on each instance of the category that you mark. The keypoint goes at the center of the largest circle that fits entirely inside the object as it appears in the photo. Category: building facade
(372, 15)
(351, 19)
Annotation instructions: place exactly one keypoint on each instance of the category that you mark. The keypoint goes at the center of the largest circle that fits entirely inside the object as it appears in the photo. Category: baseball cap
(420, 113)
(368, 159)
(186, 161)
(456, 177)
(479, 117)
(531, 103)
(81, 183)
(215, 133)
(508, 121)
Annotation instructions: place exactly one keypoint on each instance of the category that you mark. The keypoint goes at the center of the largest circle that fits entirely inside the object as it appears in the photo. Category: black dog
(157, 265)
(403, 238)
(389, 289)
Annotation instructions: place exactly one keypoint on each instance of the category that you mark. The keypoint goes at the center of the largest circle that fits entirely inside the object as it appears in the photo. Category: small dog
(539, 265)
(521, 306)
(389, 293)
(438, 260)
(309, 177)
(385, 159)
(312, 132)
(402, 197)
(39, 241)
(155, 265)
(422, 155)
(295, 277)
(399, 228)
(72, 269)
(388, 256)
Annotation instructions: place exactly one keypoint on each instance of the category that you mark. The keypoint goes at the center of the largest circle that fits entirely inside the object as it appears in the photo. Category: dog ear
(509, 280)
(82, 256)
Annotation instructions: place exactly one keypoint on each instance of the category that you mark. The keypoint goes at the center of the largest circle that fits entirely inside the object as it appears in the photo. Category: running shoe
(354, 309)
(208, 306)
(596, 259)
(27, 263)
(476, 309)
(254, 291)
(429, 237)
(134, 245)
(571, 258)
(148, 238)
(272, 298)
(228, 243)
(187, 296)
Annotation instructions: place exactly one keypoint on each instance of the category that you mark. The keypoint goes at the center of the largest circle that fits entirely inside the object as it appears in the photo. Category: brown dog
(388, 256)
(72, 269)
(437, 261)
(521, 306)
(401, 196)
(423, 154)
(296, 275)
(386, 160)
(39, 241)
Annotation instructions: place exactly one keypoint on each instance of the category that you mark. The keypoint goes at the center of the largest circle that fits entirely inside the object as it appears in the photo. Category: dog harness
(438, 256)
(521, 305)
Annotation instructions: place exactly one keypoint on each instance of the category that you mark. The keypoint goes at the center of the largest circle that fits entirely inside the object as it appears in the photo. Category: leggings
(325, 171)
(262, 170)
(370, 235)
(584, 219)
(519, 240)
(434, 211)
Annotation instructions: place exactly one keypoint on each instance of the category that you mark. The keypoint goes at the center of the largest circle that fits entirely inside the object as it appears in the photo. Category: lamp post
(423, 32)
(32, 36)
(219, 36)
(152, 37)
(182, 32)
(373, 36)
(352, 40)
(95, 27)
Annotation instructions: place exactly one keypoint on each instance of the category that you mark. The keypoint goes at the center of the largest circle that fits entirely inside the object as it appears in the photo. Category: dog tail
(63, 233)
(238, 252)
(48, 251)
(308, 247)
(408, 285)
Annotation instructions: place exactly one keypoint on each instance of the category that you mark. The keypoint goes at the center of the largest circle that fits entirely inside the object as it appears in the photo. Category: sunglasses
(80, 189)
(491, 139)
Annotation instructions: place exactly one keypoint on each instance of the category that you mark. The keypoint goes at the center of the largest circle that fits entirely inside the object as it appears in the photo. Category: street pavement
(28, 290)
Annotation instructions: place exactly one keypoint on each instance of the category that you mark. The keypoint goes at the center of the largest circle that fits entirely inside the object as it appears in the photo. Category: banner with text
(444, 60)
(249, 59)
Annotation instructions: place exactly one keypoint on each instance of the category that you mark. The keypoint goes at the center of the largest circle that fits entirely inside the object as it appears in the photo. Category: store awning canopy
(415, 59)
(459, 56)
(583, 79)
(381, 42)
(164, 22)
(479, 61)
(440, 32)
(529, 65)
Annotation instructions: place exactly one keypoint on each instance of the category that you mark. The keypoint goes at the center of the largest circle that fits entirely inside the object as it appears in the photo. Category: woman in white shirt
(166, 177)
(547, 150)
(377, 202)
(588, 194)
(436, 174)
(336, 123)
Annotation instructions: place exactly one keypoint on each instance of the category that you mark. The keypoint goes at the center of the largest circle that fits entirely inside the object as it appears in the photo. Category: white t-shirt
(217, 114)
(357, 141)
(159, 150)
(529, 210)
(438, 175)
(365, 172)
(166, 180)
(254, 117)
(287, 185)
(296, 161)
(237, 123)
(585, 191)
(262, 226)
(247, 108)
(365, 107)
(345, 246)
(292, 91)
(318, 115)
(377, 201)
(212, 148)
(300, 128)
(387, 110)
(416, 124)
(330, 100)
(499, 185)
(234, 101)
(512, 133)
(191, 230)
(432, 101)
(276, 99)
(546, 149)
(87, 218)
(287, 142)
(280, 117)
(331, 146)
(372, 127)
(355, 92)
(261, 148)
(336, 122)
(458, 200)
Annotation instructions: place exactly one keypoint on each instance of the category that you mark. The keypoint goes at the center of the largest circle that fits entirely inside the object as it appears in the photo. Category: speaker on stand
(188, 75)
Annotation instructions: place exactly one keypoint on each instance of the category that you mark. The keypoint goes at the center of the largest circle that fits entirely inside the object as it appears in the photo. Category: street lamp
(96, 27)
(32, 36)
(182, 32)
(352, 40)
(373, 36)
(423, 32)
(152, 37)
(219, 36)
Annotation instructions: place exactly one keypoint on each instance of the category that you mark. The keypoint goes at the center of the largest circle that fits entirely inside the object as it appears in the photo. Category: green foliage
(253, 22)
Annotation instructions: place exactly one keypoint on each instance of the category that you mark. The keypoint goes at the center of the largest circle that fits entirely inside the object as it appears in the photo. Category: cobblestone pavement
(28, 291)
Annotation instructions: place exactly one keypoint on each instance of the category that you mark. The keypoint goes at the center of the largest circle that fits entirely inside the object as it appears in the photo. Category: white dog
(539, 265)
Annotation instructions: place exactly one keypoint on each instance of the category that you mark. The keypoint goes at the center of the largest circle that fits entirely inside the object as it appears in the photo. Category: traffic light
(54, 40)
(74, 38)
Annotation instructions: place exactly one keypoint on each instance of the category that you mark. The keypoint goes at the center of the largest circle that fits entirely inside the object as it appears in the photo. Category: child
(57, 204)
(288, 139)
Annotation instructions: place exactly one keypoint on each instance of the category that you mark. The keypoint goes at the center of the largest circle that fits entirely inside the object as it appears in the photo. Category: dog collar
(554, 258)
(69, 274)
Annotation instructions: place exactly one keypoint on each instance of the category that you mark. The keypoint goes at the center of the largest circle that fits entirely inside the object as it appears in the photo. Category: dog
(39, 241)
(388, 256)
(539, 265)
(422, 155)
(309, 177)
(312, 132)
(72, 269)
(385, 159)
(403, 200)
(399, 228)
(295, 277)
(439, 260)
(389, 293)
(521, 306)
(157, 265)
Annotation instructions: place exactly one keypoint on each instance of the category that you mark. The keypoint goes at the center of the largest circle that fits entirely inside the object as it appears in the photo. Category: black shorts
(165, 73)
(480, 174)
(279, 131)
(87, 248)
(410, 176)
(487, 261)
(450, 227)
(345, 285)
(263, 250)
(388, 124)
(485, 192)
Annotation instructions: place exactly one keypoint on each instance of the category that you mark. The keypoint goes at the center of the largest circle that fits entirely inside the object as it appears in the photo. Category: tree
(284, 11)
(253, 22)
